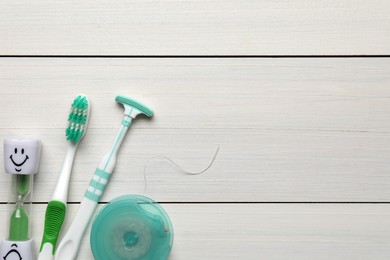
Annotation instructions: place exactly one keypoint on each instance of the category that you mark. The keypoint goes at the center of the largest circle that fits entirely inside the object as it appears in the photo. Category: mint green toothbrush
(70, 244)
(56, 209)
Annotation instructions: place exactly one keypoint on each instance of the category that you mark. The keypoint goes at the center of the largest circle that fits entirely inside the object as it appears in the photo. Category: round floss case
(131, 227)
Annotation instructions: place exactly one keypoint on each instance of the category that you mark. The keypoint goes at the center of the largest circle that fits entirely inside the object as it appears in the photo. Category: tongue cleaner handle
(70, 244)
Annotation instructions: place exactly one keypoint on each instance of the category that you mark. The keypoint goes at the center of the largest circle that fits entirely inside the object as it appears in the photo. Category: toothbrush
(56, 209)
(70, 244)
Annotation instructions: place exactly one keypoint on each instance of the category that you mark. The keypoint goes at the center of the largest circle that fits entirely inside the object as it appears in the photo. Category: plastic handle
(54, 218)
(70, 244)
(62, 187)
(46, 252)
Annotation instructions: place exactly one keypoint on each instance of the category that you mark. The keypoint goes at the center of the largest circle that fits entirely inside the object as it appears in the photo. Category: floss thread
(177, 166)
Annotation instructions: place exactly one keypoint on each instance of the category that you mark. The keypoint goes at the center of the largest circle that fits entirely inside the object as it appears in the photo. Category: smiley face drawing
(18, 164)
(17, 250)
(21, 156)
(13, 254)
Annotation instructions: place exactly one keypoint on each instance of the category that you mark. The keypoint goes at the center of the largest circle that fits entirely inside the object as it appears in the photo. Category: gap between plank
(194, 56)
(239, 202)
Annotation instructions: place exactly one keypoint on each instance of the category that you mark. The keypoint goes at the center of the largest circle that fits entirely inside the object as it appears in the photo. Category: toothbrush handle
(54, 218)
(70, 244)
(61, 190)
(56, 209)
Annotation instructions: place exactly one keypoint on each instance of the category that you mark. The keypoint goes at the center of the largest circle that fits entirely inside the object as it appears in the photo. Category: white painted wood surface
(194, 27)
(270, 231)
(313, 130)
(288, 129)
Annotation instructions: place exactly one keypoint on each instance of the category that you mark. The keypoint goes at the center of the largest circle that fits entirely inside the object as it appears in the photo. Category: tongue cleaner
(70, 244)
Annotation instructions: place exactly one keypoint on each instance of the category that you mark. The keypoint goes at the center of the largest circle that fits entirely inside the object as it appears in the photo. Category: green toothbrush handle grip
(54, 218)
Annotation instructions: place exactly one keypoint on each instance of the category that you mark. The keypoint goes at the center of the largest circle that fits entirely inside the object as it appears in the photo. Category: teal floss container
(131, 227)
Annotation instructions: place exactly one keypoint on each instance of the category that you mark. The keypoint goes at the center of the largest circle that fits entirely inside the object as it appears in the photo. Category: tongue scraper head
(132, 107)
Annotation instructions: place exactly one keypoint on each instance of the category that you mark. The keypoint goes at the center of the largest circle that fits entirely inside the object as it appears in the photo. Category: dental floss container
(131, 227)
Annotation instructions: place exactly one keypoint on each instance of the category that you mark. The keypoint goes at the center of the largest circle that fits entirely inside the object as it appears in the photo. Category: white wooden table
(295, 93)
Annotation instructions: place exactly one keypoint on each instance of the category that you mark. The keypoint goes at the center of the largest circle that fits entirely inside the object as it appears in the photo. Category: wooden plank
(155, 27)
(302, 94)
(288, 130)
(267, 231)
(250, 165)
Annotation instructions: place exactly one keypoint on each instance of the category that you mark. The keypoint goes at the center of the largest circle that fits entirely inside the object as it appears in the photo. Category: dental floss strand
(177, 166)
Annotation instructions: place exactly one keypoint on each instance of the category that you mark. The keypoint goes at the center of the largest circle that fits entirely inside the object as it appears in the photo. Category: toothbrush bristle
(77, 119)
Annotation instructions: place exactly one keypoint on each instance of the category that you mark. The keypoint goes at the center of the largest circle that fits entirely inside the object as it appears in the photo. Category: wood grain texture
(288, 129)
(231, 27)
(266, 231)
